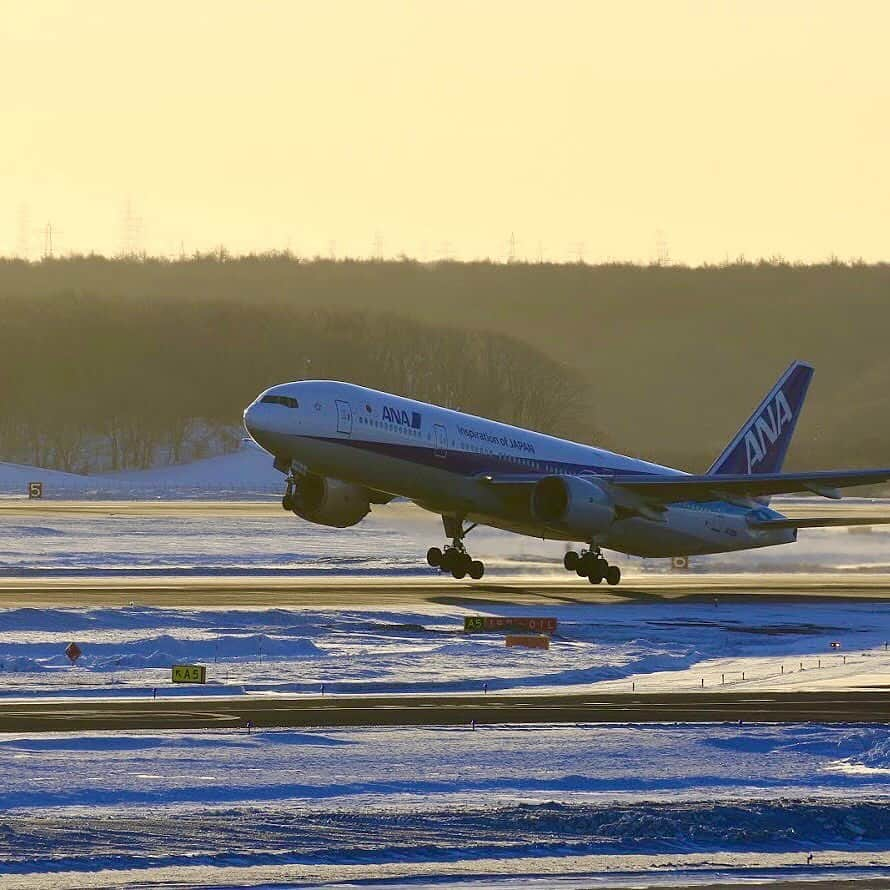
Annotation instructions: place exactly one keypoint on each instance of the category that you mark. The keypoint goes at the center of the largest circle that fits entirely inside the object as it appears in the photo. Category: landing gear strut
(591, 564)
(454, 558)
(291, 499)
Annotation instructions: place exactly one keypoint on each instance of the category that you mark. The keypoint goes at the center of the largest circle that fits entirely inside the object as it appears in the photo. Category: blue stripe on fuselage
(470, 463)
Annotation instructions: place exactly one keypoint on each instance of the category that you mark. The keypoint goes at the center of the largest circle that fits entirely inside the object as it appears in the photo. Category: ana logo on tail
(767, 426)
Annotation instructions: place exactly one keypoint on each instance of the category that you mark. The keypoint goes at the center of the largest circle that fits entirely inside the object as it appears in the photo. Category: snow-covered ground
(244, 473)
(545, 806)
(658, 645)
(409, 805)
(676, 803)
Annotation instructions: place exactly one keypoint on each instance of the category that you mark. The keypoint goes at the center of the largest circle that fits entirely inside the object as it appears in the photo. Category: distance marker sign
(189, 673)
(494, 623)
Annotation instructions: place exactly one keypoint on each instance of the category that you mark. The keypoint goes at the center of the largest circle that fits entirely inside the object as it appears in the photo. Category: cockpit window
(287, 401)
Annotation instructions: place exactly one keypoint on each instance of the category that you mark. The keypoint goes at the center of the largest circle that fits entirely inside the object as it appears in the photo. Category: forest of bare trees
(96, 383)
(125, 362)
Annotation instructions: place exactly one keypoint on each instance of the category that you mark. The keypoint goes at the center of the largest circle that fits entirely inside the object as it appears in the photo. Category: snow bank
(247, 471)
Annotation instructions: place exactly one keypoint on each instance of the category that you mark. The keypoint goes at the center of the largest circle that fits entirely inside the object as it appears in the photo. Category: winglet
(761, 444)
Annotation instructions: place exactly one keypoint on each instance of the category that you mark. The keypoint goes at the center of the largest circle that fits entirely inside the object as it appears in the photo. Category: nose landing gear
(454, 558)
(293, 494)
(591, 564)
(289, 501)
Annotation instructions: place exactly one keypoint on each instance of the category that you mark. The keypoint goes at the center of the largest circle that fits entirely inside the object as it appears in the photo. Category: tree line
(93, 383)
(659, 361)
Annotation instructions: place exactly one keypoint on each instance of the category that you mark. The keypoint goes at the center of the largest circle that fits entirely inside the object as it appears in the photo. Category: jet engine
(573, 504)
(327, 501)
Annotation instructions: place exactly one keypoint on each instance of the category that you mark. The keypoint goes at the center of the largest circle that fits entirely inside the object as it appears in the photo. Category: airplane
(343, 448)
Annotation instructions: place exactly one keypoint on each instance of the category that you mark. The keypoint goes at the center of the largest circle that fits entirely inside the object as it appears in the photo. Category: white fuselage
(440, 458)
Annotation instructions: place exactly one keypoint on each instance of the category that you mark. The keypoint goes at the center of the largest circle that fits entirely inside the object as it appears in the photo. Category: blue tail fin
(761, 444)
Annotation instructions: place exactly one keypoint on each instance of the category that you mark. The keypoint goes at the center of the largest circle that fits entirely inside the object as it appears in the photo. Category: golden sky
(748, 127)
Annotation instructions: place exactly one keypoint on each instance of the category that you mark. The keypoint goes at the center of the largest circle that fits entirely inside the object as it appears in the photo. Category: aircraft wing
(679, 488)
(674, 489)
(818, 522)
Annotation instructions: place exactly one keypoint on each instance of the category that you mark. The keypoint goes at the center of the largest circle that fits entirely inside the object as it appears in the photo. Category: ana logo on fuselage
(766, 429)
(401, 417)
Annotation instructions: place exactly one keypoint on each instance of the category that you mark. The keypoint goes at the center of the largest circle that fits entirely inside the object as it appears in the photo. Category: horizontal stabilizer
(818, 522)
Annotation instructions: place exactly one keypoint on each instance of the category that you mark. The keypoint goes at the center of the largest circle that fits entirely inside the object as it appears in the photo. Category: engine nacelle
(573, 504)
(327, 501)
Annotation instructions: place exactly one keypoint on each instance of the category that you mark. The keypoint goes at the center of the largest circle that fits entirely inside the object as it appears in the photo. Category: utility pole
(511, 254)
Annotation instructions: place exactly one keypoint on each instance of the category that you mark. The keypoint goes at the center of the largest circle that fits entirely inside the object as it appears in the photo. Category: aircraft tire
(613, 575)
(477, 570)
(288, 502)
(570, 560)
(595, 577)
(434, 557)
(459, 573)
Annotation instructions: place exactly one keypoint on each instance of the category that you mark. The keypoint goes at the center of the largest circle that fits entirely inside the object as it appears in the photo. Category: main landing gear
(454, 558)
(592, 565)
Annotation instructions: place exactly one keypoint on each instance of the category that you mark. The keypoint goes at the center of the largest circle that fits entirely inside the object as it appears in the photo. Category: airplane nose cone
(250, 420)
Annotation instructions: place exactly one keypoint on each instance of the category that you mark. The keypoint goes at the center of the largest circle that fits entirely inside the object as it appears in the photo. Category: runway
(459, 710)
(337, 591)
(271, 507)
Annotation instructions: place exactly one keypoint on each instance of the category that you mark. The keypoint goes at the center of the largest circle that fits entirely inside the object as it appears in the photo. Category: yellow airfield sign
(189, 673)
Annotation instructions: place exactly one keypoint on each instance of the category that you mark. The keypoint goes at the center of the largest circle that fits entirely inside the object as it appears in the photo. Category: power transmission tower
(662, 252)
(131, 231)
(48, 234)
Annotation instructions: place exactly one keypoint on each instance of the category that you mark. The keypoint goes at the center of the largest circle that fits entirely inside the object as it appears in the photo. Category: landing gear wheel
(454, 559)
(570, 560)
(595, 576)
(588, 566)
(613, 575)
(288, 502)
